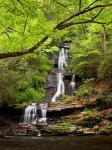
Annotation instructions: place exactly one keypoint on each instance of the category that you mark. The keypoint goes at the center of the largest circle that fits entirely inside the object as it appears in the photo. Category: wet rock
(96, 127)
(73, 128)
(89, 132)
(1, 135)
(80, 131)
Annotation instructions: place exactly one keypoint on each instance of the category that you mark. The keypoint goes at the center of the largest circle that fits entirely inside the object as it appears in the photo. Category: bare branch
(97, 14)
(25, 24)
(92, 4)
(61, 4)
(20, 53)
(83, 22)
(81, 12)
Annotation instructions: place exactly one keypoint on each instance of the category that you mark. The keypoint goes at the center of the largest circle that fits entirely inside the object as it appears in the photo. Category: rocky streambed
(71, 117)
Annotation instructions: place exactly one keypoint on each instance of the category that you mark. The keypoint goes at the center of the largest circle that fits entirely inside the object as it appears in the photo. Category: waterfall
(43, 108)
(62, 61)
(60, 88)
(72, 86)
(30, 114)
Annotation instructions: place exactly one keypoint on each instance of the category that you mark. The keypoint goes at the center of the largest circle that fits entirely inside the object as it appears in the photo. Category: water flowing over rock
(43, 108)
(62, 62)
(60, 88)
(72, 86)
(30, 114)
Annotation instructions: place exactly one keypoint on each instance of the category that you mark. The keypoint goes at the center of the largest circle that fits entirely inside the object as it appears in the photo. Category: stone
(96, 127)
(1, 135)
(73, 128)
(80, 130)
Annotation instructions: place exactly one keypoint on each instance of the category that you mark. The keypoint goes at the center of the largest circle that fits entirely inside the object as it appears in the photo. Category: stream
(57, 143)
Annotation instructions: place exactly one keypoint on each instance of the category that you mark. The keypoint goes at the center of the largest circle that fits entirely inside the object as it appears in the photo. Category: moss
(60, 129)
(110, 116)
(63, 126)
(104, 101)
(107, 130)
(89, 118)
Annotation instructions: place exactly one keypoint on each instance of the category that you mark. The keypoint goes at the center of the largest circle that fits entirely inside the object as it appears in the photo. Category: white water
(43, 108)
(62, 62)
(72, 85)
(30, 114)
(60, 88)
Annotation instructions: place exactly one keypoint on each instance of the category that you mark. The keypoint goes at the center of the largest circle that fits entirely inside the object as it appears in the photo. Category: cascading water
(43, 108)
(72, 86)
(60, 88)
(30, 114)
(62, 61)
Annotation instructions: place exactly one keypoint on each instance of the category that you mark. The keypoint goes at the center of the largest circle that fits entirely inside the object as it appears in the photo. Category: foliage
(22, 80)
(85, 89)
(110, 116)
(64, 126)
(105, 68)
(90, 118)
(107, 130)
(104, 100)
(23, 23)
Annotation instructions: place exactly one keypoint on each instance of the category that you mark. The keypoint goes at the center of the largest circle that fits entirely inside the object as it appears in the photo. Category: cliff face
(50, 86)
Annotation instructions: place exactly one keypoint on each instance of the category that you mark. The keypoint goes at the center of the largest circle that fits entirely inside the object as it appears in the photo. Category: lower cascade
(31, 115)
(43, 108)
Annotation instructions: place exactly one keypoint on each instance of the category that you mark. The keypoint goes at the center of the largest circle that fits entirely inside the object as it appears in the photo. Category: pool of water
(57, 143)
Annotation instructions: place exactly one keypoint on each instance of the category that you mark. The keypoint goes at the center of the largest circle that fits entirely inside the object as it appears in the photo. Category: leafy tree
(22, 80)
(30, 23)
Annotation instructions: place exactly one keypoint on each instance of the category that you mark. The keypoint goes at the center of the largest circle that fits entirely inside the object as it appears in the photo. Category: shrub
(90, 118)
(63, 126)
(104, 101)
(107, 130)
(86, 89)
(110, 116)
(105, 68)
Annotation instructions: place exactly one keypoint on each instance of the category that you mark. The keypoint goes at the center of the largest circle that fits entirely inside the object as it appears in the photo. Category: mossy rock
(110, 116)
(104, 101)
(107, 130)
(89, 119)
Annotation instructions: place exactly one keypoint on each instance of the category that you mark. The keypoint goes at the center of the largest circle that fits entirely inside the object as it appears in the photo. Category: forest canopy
(36, 28)
(28, 24)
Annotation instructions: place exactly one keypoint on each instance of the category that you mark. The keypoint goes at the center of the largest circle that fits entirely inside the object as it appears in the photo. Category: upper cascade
(62, 62)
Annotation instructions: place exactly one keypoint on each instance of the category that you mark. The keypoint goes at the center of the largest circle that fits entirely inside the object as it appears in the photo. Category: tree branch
(61, 4)
(83, 22)
(81, 12)
(59, 26)
(92, 4)
(30, 50)
(80, 22)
